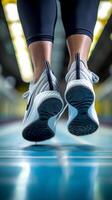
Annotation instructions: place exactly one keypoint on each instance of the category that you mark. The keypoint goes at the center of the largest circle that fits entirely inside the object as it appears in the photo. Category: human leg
(79, 17)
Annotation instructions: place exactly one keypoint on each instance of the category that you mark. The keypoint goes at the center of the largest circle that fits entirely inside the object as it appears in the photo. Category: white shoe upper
(41, 85)
(46, 87)
(81, 76)
(85, 73)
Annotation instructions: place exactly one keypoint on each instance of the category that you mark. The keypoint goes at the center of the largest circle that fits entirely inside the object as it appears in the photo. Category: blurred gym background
(65, 167)
(16, 67)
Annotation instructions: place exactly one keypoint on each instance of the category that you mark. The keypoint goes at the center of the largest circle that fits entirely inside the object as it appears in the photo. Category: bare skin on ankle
(78, 43)
(40, 52)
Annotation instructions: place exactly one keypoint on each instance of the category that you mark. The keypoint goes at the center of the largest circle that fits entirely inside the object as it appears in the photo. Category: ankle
(37, 73)
(38, 69)
(84, 61)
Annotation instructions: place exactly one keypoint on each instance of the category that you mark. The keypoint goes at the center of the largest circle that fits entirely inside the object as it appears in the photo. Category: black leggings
(38, 18)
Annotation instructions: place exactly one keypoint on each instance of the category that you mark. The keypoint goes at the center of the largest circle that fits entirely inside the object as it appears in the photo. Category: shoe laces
(95, 78)
(26, 95)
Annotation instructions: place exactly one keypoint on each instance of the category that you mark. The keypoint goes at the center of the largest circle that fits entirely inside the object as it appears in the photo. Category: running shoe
(44, 104)
(80, 98)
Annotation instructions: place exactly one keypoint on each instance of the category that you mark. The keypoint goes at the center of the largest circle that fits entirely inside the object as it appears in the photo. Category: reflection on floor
(63, 168)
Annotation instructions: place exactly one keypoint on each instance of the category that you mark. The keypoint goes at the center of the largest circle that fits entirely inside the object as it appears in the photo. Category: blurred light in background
(18, 40)
(104, 12)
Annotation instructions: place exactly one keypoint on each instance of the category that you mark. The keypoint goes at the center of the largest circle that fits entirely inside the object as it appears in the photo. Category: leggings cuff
(40, 38)
(80, 31)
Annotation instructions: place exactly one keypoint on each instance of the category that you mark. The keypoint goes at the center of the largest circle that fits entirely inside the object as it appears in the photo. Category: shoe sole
(39, 130)
(81, 98)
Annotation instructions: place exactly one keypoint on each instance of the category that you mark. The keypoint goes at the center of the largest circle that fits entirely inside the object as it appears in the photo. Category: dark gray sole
(39, 130)
(81, 98)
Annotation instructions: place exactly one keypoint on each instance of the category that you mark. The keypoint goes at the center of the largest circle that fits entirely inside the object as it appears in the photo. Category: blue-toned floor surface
(63, 168)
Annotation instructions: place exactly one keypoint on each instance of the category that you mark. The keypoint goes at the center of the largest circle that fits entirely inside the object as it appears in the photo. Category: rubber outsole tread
(39, 130)
(81, 98)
